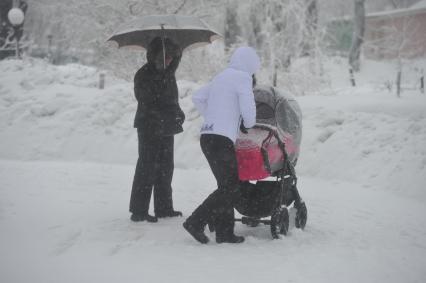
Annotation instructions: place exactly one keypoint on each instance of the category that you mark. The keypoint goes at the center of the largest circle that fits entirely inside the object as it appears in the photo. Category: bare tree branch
(180, 7)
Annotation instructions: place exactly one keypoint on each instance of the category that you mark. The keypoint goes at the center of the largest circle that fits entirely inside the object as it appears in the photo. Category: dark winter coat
(156, 91)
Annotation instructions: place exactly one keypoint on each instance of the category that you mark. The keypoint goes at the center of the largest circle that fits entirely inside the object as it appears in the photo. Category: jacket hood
(245, 59)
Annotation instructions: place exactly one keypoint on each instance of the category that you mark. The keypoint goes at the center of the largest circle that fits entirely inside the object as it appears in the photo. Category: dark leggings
(218, 207)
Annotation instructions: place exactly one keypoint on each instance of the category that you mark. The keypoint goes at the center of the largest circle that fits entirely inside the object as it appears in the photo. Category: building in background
(391, 34)
(397, 33)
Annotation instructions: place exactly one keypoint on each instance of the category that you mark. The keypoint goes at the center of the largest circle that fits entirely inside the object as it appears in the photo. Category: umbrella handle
(164, 47)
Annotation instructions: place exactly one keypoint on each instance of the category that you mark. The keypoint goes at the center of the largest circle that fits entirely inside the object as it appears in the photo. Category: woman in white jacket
(224, 103)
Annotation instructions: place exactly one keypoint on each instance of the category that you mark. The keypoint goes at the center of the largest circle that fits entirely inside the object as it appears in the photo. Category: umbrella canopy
(185, 31)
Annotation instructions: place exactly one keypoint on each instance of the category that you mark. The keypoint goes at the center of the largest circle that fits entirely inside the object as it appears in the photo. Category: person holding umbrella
(227, 106)
(158, 118)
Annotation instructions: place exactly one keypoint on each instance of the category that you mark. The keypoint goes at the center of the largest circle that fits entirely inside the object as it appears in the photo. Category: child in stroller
(271, 149)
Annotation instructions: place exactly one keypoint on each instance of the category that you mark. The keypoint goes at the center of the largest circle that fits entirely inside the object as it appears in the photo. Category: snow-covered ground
(67, 154)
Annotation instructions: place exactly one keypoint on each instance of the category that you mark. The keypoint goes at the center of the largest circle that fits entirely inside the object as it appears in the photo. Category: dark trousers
(154, 170)
(218, 207)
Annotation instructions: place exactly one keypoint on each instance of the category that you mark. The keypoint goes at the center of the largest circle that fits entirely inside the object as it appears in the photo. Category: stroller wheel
(301, 216)
(279, 222)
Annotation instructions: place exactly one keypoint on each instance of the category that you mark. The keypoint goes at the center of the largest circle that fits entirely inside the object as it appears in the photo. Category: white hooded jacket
(229, 96)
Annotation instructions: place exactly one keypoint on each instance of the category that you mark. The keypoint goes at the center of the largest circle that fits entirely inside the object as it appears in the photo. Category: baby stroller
(270, 149)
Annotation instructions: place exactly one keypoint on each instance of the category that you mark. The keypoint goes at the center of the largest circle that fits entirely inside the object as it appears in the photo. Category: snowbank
(372, 138)
(362, 134)
(58, 113)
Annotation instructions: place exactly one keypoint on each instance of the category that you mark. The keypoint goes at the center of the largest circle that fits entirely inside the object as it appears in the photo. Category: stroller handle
(274, 132)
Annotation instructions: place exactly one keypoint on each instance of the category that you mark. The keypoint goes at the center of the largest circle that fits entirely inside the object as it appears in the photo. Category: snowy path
(68, 222)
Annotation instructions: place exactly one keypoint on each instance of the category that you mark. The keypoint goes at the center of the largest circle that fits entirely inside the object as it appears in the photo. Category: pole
(351, 72)
(164, 47)
(16, 17)
(101, 80)
(18, 56)
(398, 83)
(49, 48)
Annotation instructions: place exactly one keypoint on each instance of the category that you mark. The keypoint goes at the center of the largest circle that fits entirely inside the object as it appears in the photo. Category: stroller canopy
(279, 109)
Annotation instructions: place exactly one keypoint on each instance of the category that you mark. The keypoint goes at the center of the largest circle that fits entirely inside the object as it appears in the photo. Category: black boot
(143, 217)
(196, 233)
(233, 239)
(171, 213)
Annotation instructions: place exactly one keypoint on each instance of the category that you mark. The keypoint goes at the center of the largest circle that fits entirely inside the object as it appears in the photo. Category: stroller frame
(287, 194)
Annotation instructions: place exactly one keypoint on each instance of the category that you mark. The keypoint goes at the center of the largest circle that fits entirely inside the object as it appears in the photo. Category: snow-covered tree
(311, 25)
(279, 31)
(80, 28)
(232, 28)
